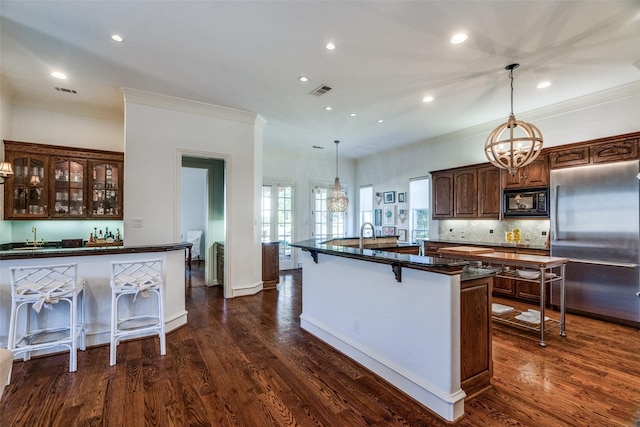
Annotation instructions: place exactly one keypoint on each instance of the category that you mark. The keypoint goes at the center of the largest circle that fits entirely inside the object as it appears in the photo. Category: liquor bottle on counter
(118, 236)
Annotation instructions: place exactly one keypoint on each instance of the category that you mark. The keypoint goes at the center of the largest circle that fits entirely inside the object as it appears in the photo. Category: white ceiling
(248, 55)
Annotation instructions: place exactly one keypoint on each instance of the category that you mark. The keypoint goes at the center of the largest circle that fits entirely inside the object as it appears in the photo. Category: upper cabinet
(469, 192)
(535, 174)
(612, 149)
(62, 182)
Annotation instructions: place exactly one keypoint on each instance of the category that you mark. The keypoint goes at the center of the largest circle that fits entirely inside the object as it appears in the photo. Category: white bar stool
(46, 286)
(130, 320)
(6, 361)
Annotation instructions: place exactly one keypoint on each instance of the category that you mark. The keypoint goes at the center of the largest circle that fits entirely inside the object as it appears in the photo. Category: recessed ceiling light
(353, 114)
(303, 79)
(328, 108)
(330, 46)
(458, 38)
(59, 75)
(380, 121)
(543, 85)
(427, 99)
(117, 38)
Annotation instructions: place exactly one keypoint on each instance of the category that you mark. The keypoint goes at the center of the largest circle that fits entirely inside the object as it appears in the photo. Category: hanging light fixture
(338, 202)
(520, 146)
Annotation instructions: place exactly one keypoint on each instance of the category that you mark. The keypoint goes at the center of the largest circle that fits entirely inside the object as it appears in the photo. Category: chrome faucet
(373, 231)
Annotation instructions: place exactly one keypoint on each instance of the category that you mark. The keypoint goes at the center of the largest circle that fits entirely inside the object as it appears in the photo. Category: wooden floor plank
(246, 362)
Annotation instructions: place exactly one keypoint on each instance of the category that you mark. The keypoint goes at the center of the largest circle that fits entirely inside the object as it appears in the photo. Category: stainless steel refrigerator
(595, 222)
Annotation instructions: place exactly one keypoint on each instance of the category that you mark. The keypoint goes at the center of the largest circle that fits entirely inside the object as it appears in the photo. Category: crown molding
(186, 105)
(67, 107)
(588, 101)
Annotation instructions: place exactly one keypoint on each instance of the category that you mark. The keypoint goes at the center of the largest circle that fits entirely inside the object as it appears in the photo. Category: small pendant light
(338, 202)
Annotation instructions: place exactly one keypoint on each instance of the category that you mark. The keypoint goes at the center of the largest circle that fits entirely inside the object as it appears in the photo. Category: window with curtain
(419, 207)
(366, 206)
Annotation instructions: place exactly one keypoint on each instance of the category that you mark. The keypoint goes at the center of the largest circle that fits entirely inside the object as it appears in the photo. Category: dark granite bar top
(57, 252)
(504, 245)
(434, 264)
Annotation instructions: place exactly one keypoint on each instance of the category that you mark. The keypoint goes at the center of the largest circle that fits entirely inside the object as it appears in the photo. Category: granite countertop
(50, 251)
(505, 245)
(434, 264)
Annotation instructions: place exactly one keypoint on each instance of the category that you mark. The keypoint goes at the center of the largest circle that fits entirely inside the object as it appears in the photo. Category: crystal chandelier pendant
(338, 202)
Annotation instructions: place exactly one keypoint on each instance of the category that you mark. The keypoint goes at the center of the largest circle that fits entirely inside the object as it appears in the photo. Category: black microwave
(526, 203)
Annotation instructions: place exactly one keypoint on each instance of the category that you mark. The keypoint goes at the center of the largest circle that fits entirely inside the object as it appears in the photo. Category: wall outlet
(544, 233)
(490, 231)
(136, 223)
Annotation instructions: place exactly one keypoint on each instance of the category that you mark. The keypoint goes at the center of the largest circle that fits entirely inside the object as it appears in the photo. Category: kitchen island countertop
(440, 265)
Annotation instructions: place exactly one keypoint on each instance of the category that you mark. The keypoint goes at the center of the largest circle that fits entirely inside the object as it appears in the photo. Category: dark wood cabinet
(26, 193)
(504, 286)
(488, 192)
(270, 265)
(63, 183)
(530, 291)
(465, 193)
(469, 192)
(535, 174)
(442, 194)
(604, 150)
(476, 366)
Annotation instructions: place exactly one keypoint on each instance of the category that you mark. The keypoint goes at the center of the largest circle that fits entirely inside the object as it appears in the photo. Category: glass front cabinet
(62, 182)
(26, 193)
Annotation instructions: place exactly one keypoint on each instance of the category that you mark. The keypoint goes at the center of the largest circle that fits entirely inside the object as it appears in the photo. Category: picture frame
(389, 215)
(388, 231)
(378, 233)
(389, 197)
(401, 197)
(377, 217)
(402, 235)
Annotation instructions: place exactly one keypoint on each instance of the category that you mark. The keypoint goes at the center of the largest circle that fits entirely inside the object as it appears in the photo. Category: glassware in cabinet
(69, 187)
(106, 191)
(27, 190)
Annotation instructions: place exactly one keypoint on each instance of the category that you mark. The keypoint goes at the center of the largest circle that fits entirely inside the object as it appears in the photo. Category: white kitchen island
(94, 267)
(400, 316)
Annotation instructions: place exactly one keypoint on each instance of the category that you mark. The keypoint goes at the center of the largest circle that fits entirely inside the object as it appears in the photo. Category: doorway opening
(203, 210)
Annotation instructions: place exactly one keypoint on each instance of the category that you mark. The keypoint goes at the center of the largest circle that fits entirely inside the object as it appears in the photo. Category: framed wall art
(402, 235)
(377, 217)
(388, 231)
(401, 197)
(389, 215)
(389, 196)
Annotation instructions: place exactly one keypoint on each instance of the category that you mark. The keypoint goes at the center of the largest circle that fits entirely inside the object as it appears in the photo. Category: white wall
(5, 131)
(159, 131)
(609, 113)
(194, 204)
(306, 170)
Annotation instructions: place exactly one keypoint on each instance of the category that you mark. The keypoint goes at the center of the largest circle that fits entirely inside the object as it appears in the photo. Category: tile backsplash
(493, 231)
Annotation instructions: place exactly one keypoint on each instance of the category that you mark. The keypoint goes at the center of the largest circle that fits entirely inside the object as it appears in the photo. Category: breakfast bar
(421, 323)
(94, 267)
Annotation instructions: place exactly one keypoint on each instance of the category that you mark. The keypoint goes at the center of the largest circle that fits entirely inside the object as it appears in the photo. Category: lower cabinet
(270, 265)
(519, 289)
(476, 367)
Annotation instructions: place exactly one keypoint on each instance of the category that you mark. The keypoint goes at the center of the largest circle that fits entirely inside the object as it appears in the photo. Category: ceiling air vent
(64, 89)
(320, 90)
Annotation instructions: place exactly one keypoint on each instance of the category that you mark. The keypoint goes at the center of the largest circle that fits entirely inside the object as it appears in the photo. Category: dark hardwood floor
(246, 362)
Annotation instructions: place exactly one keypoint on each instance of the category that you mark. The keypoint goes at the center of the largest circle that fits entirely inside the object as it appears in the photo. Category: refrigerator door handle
(555, 212)
(606, 263)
